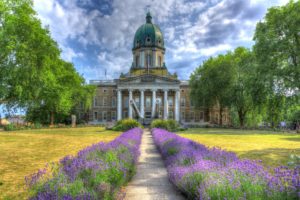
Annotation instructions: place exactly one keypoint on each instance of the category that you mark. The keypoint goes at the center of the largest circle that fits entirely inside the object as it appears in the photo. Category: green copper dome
(148, 35)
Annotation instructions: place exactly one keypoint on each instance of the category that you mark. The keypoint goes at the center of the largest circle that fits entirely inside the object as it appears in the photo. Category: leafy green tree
(33, 76)
(212, 82)
(247, 91)
(277, 46)
(277, 51)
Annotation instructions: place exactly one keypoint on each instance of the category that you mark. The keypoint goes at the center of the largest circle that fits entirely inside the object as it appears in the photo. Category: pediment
(149, 79)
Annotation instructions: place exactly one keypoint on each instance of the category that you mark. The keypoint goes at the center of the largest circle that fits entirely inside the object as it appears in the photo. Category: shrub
(159, 123)
(170, 124)
(10, 127)
(126, 124)
(97, 172)
(212, 173)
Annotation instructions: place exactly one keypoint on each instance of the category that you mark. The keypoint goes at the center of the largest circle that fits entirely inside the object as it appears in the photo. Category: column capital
(142, 90)
(165, 90)
(153, 90)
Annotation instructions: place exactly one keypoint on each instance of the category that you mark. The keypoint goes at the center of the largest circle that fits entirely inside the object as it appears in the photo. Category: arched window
(159, 61)
(149, 60)
(137, 59)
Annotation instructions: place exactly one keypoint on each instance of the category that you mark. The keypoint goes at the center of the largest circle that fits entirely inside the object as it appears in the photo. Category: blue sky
(97, 35)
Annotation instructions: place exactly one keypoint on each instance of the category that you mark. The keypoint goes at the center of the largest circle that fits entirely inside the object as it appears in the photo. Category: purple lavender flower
(212, 173)
(94, 173)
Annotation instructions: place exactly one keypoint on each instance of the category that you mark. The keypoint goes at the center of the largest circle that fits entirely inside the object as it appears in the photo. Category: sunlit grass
(273, 148)
(24, 152)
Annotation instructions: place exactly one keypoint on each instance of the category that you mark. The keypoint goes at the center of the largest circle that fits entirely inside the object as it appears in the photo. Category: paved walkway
(151, 180)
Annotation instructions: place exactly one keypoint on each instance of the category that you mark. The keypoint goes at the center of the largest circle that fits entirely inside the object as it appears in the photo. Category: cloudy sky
(97, 35)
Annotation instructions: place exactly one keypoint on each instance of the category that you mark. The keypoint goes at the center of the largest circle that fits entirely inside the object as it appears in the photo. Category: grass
(272, 148)
(24, 152)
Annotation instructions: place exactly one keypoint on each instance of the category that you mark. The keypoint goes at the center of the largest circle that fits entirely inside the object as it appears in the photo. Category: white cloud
(193, 30)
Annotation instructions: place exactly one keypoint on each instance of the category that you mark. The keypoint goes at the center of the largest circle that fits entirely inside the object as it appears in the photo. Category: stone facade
(148, 91)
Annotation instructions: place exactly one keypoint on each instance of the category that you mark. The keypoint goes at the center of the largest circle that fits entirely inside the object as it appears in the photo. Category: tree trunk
(221, 116)
(51, 118)
(241, 118)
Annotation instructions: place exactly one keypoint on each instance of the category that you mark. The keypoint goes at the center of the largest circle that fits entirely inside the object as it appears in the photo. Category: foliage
(33, 76)
(159, 123)
(211, 83)
(126, 124)
(294, 160)
(277, 47)
(10, 127)
(97, 172)
(170, 124)
(203, 173)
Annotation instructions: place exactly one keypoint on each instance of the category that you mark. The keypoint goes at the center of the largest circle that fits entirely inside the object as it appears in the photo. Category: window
(182, 101)
(182, 116)
(125, 115)
(159, 101)
(137, 101)
(113, 115)
(126, 102)
(104, 90)
(201, 116)
(104, 115)
(148, 102)
(113, 102)
(149, 60)
(171, 114)
(170, 101)
(104, 101)
(137, 59)
(95, 101)
(192, 116)
(159, 61)
(95, 116)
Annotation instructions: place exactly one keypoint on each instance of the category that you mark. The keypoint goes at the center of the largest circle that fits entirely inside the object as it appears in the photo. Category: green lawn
(24, 152)
(273, 148)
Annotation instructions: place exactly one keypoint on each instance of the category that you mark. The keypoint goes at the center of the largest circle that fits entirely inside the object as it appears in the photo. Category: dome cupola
(148, 35)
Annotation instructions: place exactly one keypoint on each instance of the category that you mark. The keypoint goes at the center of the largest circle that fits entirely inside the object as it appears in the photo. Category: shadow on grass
(272, 157)
(219, 131)
(295, 139)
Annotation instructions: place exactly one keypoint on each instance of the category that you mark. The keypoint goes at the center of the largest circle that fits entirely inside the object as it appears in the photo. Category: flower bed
(97, 172)
(203, 173)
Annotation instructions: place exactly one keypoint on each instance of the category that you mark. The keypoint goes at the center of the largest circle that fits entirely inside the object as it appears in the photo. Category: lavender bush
(97, 172)
(203, 173)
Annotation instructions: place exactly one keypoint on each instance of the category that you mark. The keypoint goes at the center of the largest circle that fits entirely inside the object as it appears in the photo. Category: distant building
(148, 90)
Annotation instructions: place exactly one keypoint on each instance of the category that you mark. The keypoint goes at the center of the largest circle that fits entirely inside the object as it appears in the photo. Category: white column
(153, 102)
(166, 105)
(130, 106)
(119, 105)
(177, 99)
(142, 111)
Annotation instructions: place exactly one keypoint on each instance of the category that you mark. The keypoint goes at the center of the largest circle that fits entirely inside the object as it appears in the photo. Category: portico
(159, 100)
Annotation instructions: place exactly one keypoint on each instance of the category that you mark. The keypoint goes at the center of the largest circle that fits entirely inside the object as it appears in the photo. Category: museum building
(148, 91)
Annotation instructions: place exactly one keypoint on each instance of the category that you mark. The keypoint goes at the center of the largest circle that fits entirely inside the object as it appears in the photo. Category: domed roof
(148, 35)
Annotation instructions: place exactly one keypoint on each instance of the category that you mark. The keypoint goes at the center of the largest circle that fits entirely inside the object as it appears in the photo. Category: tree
(211, 83)
(277, 51)
(33, 76)
(247, 90)
(277, 46)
